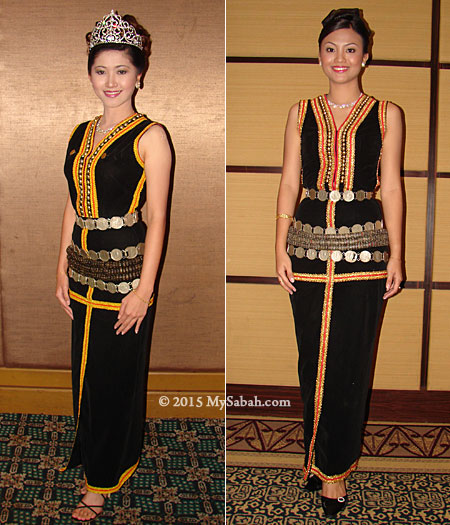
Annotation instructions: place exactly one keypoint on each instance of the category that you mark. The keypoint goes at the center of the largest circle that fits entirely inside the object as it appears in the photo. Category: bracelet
(139, 297)
(283, 216)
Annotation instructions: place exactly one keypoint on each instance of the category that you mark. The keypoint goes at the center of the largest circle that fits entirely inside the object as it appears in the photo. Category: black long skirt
(109, 382)
(336, 326)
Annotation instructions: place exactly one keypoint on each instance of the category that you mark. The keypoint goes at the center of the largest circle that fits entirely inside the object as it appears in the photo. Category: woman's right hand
(62, 293)
(284, 272)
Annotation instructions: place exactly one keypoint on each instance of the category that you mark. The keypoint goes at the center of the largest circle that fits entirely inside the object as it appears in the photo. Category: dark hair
(138, 58)
(343, 19)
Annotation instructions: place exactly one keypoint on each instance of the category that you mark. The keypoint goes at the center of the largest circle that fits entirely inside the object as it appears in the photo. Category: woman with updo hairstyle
(109, 260)
(338, 253)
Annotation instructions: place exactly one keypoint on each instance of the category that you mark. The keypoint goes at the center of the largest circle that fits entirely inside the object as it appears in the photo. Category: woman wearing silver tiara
(109, 260)
(338, 269)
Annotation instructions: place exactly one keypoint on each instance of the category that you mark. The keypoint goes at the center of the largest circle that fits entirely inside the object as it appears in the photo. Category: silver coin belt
(335, 195)
(117, 254)
(336, 255)
(356, 237)
(123, 287)
(114, 223)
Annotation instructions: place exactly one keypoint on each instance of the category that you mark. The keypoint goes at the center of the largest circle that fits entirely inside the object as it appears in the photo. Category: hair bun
(342, 14)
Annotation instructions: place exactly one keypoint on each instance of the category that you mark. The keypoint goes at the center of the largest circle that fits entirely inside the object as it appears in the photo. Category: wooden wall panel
(441, 259)
(251, 209)
(438, 373)
(444, 121)
(266, 354)
(444, 54)
(184, 89)
(251, 205)
(290, 28)
(260, 95)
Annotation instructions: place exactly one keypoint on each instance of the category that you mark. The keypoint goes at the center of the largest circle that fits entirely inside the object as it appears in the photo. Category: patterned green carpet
(180, 479)
(263, 496)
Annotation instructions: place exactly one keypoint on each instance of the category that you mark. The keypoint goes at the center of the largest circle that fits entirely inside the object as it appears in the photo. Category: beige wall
(45, 93)
(259, 318)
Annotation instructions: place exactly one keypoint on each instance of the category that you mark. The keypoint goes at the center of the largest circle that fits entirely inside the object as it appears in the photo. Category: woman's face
(341, 55)
(113, 77)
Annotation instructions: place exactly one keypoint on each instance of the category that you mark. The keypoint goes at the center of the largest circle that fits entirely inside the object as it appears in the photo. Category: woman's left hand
(132, 312)
(394, 277)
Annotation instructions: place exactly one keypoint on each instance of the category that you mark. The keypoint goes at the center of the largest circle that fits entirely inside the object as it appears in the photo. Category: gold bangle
(283, 216)
(139, 297)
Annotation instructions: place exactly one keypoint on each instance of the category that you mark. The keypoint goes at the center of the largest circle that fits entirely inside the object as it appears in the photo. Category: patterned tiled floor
(180, 478)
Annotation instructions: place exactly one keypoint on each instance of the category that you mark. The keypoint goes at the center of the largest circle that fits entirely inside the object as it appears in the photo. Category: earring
(363, 64)
(138, 84)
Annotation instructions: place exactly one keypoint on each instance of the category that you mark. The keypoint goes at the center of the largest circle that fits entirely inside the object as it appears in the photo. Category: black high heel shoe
(332, 506)
(314, 483)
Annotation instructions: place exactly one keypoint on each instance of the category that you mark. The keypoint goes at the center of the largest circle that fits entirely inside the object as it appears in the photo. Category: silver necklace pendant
(104, 131)
(342, 106)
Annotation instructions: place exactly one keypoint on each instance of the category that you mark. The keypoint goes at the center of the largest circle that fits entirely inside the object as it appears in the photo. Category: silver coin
(357, 228)
(89, 224)
(297, 225)
(377, 256)
(111, 287)
(344, 230)
(102, 223)
(103, 255)
(82, 279)
(318, 230)
(360, 194)
(323, 255)
(124, 287)
(378, 225)
(307, 228)
(336, 255)
(116, 222)
(322, 195)
(365, 256)
(312, 194)
(129, 219)
(300, 252)
(330, 231)
(385, 257)
(93, 255)
(135, 284)
(350, 256)
(116, 254)
(131, 252)
(101, 285)
(369, 226)
(335, 196)
(311, 254)
(141, 248)
(91, 282)
(348, 196)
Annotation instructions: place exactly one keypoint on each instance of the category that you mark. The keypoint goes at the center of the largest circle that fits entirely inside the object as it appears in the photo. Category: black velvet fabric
(334, 402)
(110, 369)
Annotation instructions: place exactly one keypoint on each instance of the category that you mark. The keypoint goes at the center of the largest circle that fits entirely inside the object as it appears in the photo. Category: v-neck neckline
(352, 109)
(107, 137)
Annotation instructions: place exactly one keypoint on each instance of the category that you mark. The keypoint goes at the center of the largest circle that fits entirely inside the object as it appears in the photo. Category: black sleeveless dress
(339, 249)
(107, 189)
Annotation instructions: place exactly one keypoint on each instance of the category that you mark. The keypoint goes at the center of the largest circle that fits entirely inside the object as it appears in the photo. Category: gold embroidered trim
(322, 362)
(302, 108)
(340, 277)
(330, 479)
(126, 475)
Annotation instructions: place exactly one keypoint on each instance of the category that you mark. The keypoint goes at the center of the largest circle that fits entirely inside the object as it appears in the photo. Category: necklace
(104, 131)
(342, 106)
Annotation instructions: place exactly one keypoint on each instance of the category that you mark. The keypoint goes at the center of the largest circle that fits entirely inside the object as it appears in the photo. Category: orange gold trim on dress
(335, 478)
(126, 475)
(136, 143)
(326, 141)
(382, 118)
(73, 131)
(84, 354)
(340, 277)
(302, 108)
(103, 305)
(78, 163)
(84, 234)
(129, 123)
(322, 363)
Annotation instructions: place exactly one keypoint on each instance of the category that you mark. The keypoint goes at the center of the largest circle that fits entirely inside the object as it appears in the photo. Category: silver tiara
(112, 29)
